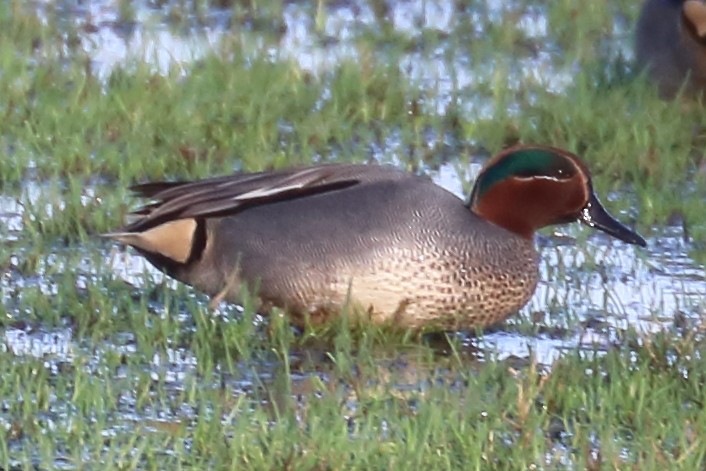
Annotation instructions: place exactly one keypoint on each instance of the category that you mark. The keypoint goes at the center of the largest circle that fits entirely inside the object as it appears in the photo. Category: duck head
(525, 188)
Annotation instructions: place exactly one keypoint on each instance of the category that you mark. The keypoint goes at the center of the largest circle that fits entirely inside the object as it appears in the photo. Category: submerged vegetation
(103, 360)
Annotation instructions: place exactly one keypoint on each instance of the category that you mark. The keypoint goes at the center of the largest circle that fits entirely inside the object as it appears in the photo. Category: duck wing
(224, 195)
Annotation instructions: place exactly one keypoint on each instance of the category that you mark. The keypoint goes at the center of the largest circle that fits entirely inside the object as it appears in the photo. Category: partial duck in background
(670, 42)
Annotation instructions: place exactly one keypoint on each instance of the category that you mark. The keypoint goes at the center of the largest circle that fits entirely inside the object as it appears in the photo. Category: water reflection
(318, 37)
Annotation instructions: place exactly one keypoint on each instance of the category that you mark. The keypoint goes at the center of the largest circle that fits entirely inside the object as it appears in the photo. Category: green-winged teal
(392, 246)
(670, 41)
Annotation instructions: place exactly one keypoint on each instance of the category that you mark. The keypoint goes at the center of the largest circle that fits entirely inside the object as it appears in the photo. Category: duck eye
(559, 173)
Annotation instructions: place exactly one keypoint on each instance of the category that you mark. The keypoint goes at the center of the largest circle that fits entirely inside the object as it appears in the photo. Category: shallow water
(590, 293)
(318, 39)
(622, 288)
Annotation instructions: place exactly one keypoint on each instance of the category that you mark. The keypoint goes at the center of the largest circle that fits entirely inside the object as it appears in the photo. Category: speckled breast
(425, 287)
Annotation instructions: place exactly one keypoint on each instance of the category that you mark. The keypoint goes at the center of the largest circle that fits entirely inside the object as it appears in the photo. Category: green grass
(155, 380)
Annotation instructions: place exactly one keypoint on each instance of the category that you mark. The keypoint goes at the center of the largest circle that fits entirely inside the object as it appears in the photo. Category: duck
(670, 43)
(373, 242)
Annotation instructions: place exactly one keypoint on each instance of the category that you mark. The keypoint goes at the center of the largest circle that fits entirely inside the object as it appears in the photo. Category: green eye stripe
(524, 163)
